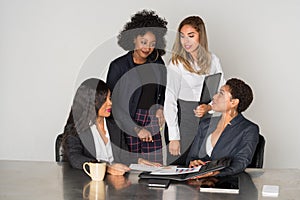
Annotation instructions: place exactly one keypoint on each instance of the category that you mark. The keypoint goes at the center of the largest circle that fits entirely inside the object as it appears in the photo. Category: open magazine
(214, 165)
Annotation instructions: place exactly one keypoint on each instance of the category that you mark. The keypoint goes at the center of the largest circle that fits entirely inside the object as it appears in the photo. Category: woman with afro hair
(137, 81)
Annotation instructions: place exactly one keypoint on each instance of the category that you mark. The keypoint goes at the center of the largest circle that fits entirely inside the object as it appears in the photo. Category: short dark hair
(140, 23)
(242, 91)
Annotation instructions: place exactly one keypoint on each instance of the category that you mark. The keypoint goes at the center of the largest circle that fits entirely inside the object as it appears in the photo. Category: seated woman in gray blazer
(228, 135)
(87, 137)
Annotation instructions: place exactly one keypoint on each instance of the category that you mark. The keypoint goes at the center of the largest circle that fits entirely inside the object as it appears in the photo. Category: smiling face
(144, 46)
(105, 109)
(189, 39)
(222, 101)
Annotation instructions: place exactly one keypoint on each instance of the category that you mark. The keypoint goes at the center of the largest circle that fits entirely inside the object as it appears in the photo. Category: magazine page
(147, 168)
(177, 171)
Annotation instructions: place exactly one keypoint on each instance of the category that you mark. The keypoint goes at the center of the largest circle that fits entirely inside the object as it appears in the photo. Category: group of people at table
(122, 120)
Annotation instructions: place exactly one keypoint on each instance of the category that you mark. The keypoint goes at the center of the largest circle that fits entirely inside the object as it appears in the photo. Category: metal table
(51, 180)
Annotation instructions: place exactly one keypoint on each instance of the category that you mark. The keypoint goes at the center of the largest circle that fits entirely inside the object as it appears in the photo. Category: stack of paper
(270, 190)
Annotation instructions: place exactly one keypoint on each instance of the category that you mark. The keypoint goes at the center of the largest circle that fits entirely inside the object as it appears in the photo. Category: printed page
(163, 169)
(177, 171)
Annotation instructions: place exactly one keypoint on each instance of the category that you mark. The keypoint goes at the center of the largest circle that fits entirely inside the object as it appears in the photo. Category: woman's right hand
(145, 135)
(201, 110)
(174, 147)
(117, 169)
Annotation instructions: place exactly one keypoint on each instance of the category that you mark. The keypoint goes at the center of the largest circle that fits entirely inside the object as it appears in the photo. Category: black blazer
(125, 79)
(81, 148)
(238, 141)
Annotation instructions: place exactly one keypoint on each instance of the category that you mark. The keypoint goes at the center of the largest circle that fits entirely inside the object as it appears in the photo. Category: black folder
(210, 88)
(211, 166)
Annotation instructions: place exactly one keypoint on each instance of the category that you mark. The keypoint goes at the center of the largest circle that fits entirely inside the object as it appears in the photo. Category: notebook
(227, 184)
(214, 165)
(210, 88)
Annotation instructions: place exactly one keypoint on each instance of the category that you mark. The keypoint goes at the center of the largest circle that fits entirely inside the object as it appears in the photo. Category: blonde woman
(191, 62)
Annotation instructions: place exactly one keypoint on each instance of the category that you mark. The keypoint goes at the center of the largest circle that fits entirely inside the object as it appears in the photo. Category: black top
(126, 80)
(147, 98)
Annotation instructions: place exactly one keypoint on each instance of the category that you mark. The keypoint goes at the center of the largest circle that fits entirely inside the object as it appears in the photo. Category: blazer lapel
(87, 140)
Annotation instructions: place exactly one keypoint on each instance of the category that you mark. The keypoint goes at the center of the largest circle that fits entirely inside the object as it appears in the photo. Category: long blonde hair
(204, 56)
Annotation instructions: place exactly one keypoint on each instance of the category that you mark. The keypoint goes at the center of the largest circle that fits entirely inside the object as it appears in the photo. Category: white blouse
(103, 151)
(184, 85)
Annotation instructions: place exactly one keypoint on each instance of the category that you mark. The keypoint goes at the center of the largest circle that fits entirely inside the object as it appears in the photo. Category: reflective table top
(51, 180)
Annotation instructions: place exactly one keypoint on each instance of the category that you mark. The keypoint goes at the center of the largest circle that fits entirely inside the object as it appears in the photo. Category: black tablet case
(209, 167)
(210, 88)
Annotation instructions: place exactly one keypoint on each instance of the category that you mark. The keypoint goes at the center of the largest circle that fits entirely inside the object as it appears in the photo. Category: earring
(157, 54)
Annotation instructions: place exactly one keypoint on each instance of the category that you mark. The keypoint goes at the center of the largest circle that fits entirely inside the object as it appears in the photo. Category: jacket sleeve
(171, 96)
(114, 74)
(162, 87)
(246, 149)
(76, 152)
(197, 143)
(118, 143)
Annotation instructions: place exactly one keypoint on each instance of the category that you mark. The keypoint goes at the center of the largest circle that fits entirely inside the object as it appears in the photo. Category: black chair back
(59, 154)
(258, 157)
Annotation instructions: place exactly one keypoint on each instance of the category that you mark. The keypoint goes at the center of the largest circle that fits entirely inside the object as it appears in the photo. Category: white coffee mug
(96, 170)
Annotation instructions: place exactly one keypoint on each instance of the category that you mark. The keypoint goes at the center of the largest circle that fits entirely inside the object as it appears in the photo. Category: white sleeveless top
(209, 147)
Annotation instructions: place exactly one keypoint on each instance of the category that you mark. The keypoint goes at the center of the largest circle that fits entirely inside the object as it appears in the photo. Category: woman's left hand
(147, 162)
(201, 110)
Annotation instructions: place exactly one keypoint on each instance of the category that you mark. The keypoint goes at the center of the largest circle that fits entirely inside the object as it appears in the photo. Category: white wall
(48, 47)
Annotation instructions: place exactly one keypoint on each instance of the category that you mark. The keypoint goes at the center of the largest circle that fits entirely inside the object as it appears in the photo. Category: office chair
(258, 157)
(59, 154)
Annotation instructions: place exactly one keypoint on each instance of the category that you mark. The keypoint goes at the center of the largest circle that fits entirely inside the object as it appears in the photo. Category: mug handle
(84, 168)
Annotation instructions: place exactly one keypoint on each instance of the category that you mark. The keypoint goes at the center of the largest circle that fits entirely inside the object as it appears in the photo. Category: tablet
(210, 88)
(229, 184)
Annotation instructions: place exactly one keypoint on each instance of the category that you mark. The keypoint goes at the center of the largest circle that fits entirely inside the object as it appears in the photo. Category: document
(177, 171)
(165, 170)
(147, 168)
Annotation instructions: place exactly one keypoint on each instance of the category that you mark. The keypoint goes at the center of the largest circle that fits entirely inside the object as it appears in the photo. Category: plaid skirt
(151, 151)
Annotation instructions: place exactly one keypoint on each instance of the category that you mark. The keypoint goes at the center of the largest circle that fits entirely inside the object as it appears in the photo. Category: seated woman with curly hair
(229, 135)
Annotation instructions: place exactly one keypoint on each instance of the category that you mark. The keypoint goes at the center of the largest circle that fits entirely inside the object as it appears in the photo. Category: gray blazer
(81, 148)
(238, 141)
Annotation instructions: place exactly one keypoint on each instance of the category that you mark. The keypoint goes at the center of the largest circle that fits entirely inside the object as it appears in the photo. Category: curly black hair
(142, 22)
(242, 91)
